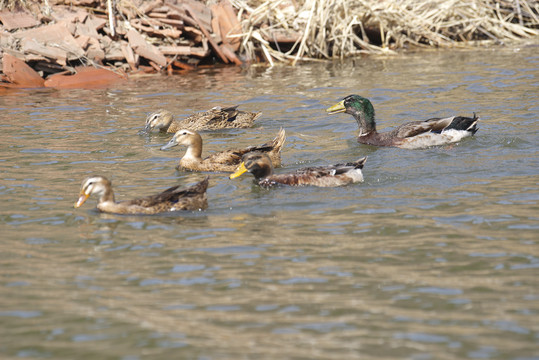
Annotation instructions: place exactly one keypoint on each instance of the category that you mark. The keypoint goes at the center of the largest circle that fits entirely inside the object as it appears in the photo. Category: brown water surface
(434, 256)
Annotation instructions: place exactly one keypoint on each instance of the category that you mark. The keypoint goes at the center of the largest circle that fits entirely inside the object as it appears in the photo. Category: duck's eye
(184, 133)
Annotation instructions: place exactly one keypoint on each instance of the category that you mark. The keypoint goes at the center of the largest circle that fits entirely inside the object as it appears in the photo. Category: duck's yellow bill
(337, 108)
(82, 198)
(239, 171)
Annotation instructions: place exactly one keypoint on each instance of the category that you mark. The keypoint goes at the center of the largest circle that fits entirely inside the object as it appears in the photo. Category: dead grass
(12, 4)
(341, 28)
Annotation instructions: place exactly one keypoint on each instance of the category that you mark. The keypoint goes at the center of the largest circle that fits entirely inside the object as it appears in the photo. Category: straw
(343, 28)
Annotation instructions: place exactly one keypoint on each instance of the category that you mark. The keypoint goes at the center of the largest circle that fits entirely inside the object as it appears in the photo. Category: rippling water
(434, 256)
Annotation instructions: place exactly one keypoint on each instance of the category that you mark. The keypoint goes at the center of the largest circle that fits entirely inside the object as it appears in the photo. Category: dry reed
(340, 28)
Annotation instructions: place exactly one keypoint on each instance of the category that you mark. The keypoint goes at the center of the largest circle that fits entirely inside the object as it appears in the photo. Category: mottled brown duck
(172, 199)
(260, 166)
(224, 161)
(213, 119)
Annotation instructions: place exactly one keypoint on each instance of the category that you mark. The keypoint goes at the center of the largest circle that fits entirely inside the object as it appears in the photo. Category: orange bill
(239, 171)
(82, 198)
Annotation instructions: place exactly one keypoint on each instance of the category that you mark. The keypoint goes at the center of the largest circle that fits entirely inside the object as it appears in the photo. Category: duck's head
(258, 164)
(160, 120)
(184, 137)
(96, 184)
(360, 108)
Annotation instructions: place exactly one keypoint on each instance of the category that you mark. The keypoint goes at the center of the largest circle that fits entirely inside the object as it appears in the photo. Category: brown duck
(226, 161)
(259, 165)
(172, 199)
(213, 119)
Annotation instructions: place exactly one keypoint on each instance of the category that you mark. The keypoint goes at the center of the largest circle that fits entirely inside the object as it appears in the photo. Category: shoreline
(69, 44)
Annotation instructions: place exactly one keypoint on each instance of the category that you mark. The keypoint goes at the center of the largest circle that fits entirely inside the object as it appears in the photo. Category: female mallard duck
(412, 135)
(173, 199)
(259, 165)
(227, 160)
(213, 119)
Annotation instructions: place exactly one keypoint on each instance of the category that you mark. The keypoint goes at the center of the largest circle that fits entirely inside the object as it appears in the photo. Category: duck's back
(172, 199)
(322, 176)
(217, 118)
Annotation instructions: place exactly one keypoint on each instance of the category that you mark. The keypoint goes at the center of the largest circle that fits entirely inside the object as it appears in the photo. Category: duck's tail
(351, 170)
(274, 145)
(193, 197)
(243, 119)
(272, 148)
(199, 187)
(279, 140)
(359, 164)
(464, 123)
(343, 168)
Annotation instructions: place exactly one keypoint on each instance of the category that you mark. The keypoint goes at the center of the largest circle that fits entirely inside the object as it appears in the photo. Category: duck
(260, 166)
(223, 161)
(213, 119)
(172, 199)
(411, 135)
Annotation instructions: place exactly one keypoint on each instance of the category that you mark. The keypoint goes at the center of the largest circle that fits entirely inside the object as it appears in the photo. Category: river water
(434, 256)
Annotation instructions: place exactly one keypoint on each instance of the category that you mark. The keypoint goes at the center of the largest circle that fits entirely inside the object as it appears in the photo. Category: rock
(54, 35)
(85, 77)
(94, 51)
(145, 49)
(17, 20)
(19, 73)
(129, 55)
(31, 46)
(69, 14)
(226, 24)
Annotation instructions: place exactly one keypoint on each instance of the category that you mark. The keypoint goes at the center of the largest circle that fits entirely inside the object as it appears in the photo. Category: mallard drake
(412, 135)
(227, 160)
(213, 119)
(260, 166)
(172, 199)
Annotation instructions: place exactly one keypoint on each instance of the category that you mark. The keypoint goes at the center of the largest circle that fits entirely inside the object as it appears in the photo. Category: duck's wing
(436, 125)
(231, 112)
(219, 118)
(332, 170)
(324, 176)
(415, 128)
(227, 157)
(234, 156)
(172, 196)
(232, 117)
(211, 119)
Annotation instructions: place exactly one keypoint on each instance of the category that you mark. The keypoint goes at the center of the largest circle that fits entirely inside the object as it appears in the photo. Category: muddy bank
(73, 43)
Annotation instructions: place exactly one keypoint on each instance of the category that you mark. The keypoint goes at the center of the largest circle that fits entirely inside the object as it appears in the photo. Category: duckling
(213, 119)
(172, 199)
(260, 166)
(225, 161)
(412, 135)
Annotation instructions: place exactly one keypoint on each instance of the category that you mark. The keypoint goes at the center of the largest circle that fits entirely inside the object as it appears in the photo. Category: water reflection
(433, 255)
